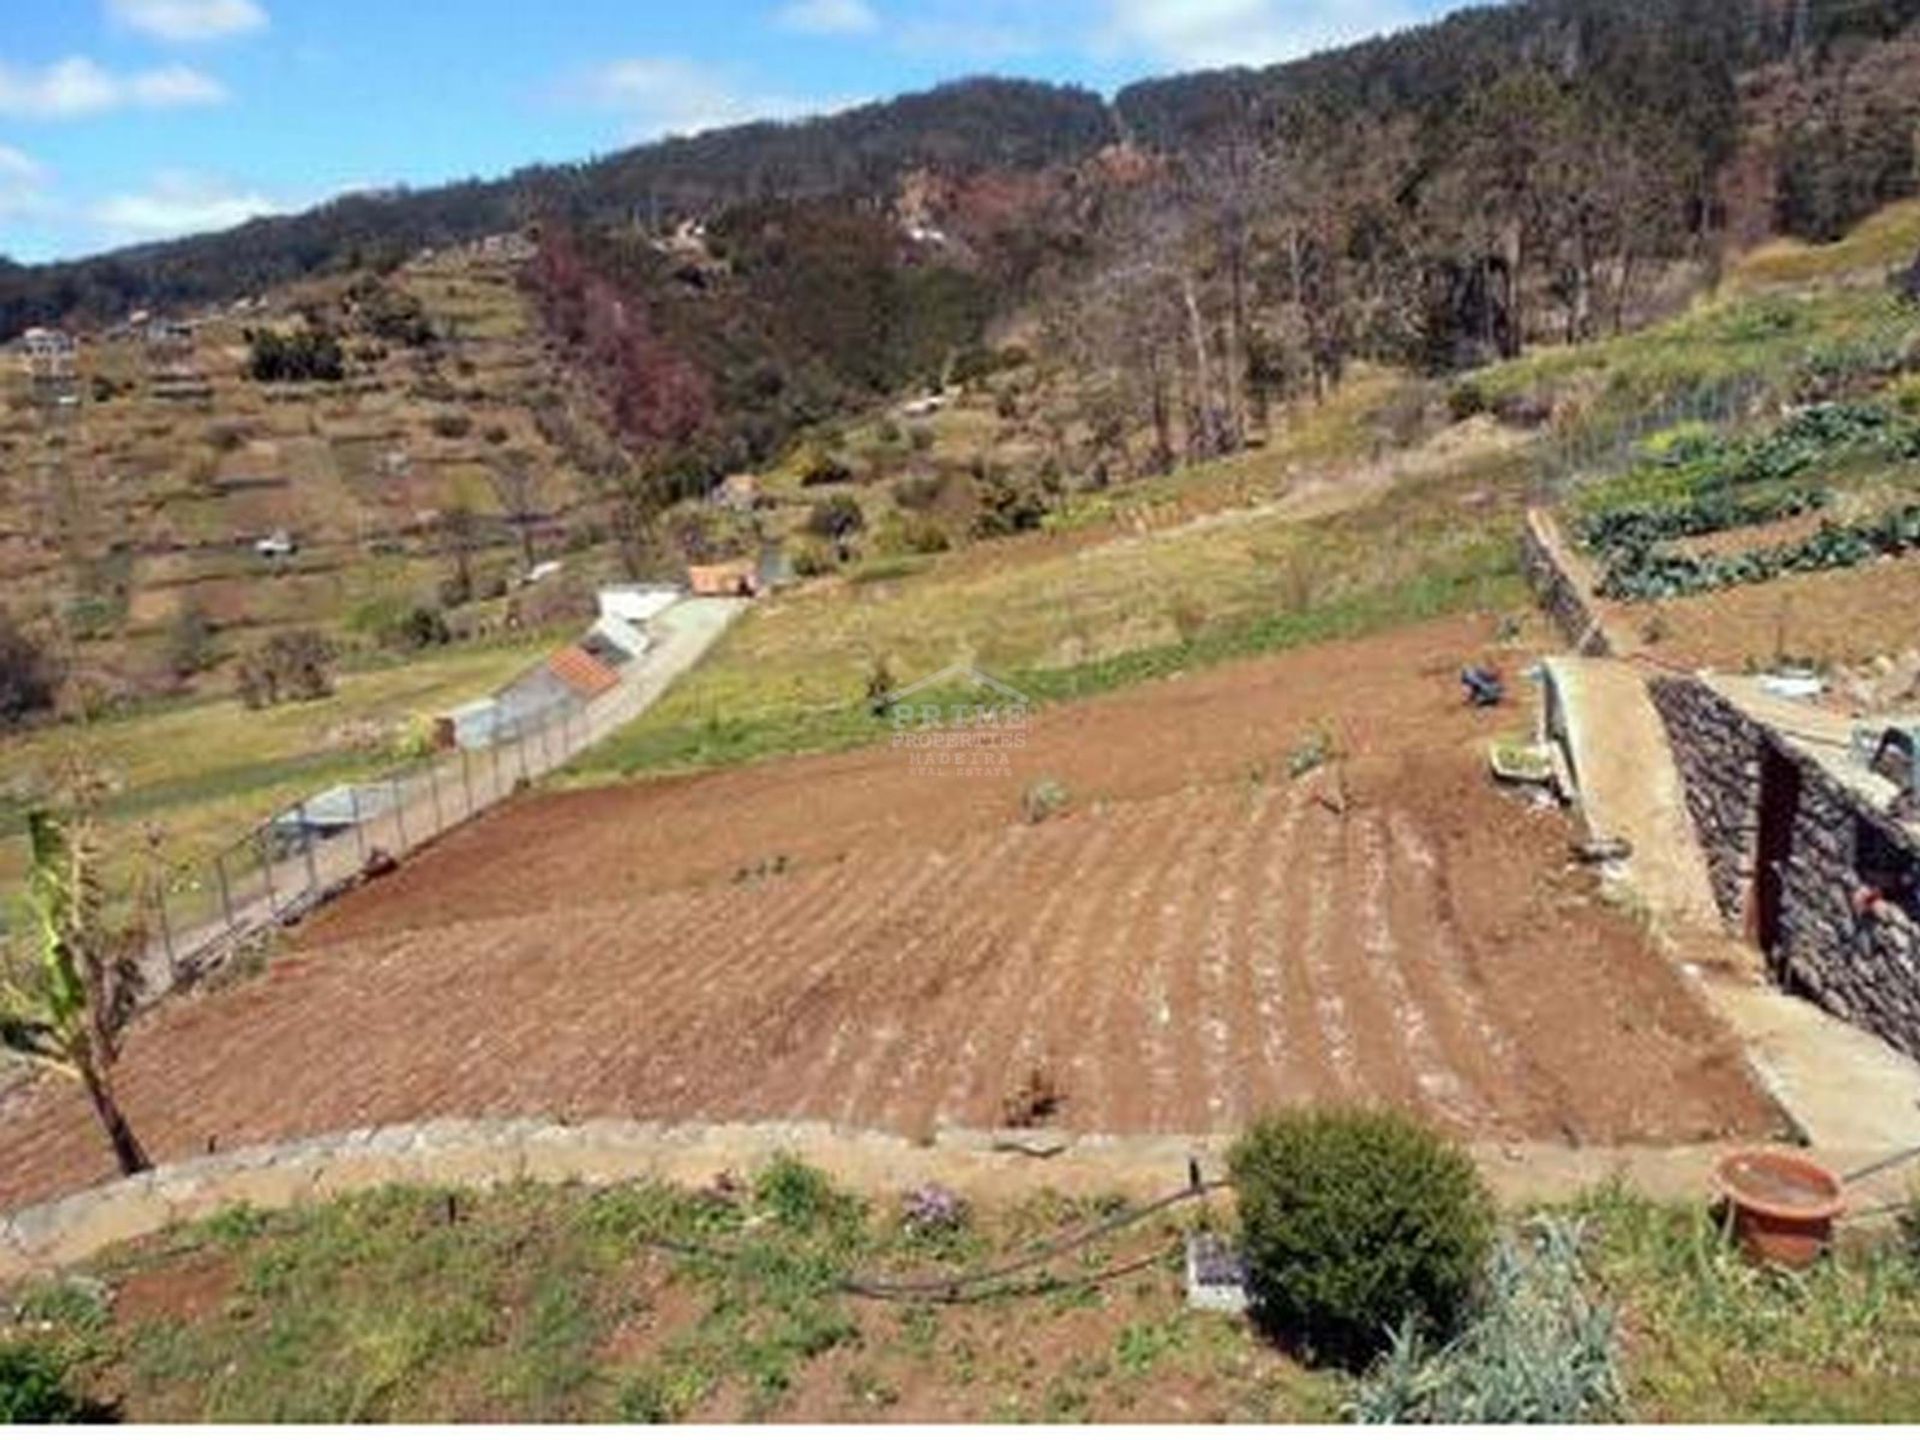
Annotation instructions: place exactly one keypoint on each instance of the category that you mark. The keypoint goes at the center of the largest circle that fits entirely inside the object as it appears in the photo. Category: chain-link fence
(293, 861)
(203, 910)
(1607, 445)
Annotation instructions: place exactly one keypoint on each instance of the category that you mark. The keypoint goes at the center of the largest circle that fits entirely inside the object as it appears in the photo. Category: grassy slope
(541, 1303)
(206, 771)
(1056, 616)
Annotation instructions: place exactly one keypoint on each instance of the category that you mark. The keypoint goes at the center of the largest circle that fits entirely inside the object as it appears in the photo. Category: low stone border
(1561, 592)
(477, 1154)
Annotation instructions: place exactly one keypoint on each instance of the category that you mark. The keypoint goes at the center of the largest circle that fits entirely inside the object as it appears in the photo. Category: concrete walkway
(1845, 1089)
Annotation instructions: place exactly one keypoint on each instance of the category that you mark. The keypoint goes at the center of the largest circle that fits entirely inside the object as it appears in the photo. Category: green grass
(532, 1303)
(209, 770)
(1712, 1338)
(649, 1302)
(792, 676)
(1880, 244)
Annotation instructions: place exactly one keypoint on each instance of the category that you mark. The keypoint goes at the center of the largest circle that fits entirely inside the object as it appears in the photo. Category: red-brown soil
(1197, 938)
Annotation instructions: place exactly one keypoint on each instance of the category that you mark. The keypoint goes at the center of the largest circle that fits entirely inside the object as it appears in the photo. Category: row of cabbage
(1695, 482)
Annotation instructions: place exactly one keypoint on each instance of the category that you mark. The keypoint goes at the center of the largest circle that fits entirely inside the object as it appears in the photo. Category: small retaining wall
(1859, 962)
(1560, 594)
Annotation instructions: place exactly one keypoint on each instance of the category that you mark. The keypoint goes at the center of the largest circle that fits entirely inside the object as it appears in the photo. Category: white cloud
(662, 95)
(1201, 34)
(78, 86)
(22, 184)
(189, 19)
(179, 203)
(828, 17)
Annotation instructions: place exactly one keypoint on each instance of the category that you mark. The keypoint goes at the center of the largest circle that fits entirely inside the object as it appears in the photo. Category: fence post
(433, 789)
(266, 869)
(166, 926)
(306, 844)
(226, 895)
(466, 780)
(359, 835)
(399, 810)
(498, 745)
(520, 734)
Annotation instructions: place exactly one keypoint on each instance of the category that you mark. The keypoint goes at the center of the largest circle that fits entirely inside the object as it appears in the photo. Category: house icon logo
(971, 738)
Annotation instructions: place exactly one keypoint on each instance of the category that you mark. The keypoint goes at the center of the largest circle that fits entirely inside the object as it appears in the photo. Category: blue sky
(130, 120)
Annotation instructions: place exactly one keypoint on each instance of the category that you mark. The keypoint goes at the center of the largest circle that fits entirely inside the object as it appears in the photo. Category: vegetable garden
(1694, 482)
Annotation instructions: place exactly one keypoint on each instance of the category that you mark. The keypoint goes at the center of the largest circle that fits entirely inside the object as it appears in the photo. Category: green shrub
(1466, 400)
(1540, 1352)
(33, 1388)
(1356, 1222)
(1043, 800)
(800, 1197)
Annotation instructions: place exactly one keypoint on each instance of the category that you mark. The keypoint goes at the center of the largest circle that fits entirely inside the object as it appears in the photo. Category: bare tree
(516, 488)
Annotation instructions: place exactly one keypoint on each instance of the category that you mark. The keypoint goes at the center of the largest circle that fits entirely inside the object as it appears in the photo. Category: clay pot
(1784, 1205)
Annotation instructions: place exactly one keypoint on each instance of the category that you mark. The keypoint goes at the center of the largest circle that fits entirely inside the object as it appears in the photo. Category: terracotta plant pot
(1784, 1205)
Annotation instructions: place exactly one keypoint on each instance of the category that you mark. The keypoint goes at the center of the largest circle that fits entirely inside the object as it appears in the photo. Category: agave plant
(65, 1002)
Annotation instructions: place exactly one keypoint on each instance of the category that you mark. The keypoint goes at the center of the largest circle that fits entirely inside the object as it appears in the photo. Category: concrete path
(1846, 1090)
(1631, 789)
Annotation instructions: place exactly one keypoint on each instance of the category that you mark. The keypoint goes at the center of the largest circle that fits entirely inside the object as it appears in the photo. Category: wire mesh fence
(294, 860)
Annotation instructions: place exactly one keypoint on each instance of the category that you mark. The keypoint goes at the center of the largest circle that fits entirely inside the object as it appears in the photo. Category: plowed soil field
(1197, 937)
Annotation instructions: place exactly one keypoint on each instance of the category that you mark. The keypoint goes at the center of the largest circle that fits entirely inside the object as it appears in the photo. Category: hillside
(962, 127)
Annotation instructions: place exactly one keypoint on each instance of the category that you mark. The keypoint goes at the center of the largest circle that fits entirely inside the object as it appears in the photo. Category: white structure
(277, 546)
(637, 604)
(49, 354)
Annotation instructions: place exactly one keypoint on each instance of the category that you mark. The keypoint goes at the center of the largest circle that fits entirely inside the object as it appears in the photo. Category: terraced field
(1199, 937)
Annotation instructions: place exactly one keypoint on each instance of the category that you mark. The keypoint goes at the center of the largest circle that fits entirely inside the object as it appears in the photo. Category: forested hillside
(963, 127)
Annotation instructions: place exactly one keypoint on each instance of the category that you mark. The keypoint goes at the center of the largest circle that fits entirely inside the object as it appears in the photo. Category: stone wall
(1559, 593)
(1848, 938)
(1717, 750)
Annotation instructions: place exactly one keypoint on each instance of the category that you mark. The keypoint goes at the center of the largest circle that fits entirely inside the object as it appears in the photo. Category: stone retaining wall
(1856, 957)
(1560, 594)
(476, 1154)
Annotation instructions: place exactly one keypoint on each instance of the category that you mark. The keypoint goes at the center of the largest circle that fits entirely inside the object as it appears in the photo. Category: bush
(836, 518)
(452, 425)
(307, 354)
(924, 536)
(811, 560)
(190, 647)
(29, 677)
(1466, 400)
(33, 1388)
(294, 665)
(1356, 1222)
(918, 492)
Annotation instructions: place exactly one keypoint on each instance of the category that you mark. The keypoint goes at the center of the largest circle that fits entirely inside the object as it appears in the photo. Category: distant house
(733, 578)
(277, 546)
(585, 676)
(49, 354)
(636, 604)
(925, 406)
(738, 493)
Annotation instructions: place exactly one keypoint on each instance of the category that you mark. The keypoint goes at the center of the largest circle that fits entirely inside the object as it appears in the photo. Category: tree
(459, 540)
(65, 1005)
(514, 486)
(190, 646)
